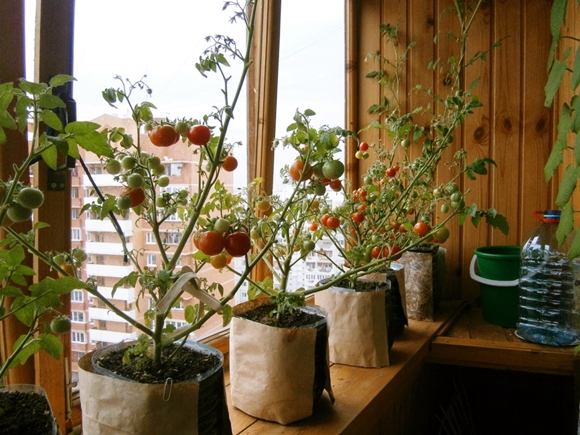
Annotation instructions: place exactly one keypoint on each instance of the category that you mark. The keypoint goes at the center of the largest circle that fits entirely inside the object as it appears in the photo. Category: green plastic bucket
(498, 272)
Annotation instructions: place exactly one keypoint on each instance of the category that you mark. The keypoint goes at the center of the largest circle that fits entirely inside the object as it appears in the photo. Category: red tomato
(332, 222)
(391, 172)
(376, 252)
(230, 163)
(313, 226)
(324, 219)
(421, 228)
(358, 217)
(298, 168)
(363, 146)
(210, 242)
(137, 196)
(336, 185)
(199, 134)
(163, 136)
(238, 244)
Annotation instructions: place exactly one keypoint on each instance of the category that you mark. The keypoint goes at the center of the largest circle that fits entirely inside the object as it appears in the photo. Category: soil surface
(186, 365)
(25, 413)
(297, 319)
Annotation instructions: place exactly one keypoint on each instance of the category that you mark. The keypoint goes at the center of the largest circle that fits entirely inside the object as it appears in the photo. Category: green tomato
(135, 181)
(308, 245)
(221, 225)
(333, 169)
(163, 181)
(113, 167)
(153, 162)
(60, 325)
(158, 170)
(30, 197)
(444, 208)
(18, 213)
(128, 162)
(160, 202)
(124, 202)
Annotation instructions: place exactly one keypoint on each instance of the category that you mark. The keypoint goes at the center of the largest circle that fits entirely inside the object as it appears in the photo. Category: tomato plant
(163, 136)
(210, 242)
(238, 244)
(199, 134)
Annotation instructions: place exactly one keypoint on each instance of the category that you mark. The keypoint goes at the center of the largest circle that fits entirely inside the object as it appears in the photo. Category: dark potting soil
(25, 413)
(185, 365)
(263, 315)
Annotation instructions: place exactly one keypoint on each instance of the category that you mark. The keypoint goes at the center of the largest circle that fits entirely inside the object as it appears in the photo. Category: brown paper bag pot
(113, 406)
(272, 370)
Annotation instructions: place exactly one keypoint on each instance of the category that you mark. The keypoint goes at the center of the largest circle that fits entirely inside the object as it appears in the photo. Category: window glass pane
(311, 76)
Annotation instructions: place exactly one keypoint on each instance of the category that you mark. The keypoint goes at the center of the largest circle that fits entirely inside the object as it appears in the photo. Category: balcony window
(77, 296)
(78, 316)
(78, 337)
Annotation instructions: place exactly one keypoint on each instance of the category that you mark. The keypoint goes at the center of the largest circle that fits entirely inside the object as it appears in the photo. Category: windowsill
(361, 393)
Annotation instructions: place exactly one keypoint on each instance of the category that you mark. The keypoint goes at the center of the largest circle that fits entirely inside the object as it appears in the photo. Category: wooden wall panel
(513, 127)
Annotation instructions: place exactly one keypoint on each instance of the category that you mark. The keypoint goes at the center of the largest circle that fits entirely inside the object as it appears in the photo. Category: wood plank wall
(513, 127)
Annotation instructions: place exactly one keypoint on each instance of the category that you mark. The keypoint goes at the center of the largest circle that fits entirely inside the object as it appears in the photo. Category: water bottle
(548, 302)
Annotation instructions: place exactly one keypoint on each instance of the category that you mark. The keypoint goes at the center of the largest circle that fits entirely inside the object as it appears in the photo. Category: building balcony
(103, 248)
(106, 226)
(108, 271)
(121, 294)
(107, 315)
(109, 336)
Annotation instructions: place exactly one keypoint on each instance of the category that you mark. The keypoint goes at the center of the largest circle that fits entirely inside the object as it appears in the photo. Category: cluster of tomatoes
(27, 199)
(323, 174)
(362, 152)
(330, 221)
(166, 135)
(221, 243)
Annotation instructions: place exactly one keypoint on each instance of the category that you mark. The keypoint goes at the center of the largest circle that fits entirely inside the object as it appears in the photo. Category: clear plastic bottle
(548, 303)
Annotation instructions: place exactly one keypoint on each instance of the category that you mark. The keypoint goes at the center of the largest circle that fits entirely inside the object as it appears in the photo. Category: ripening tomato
(199, 134)
(299, 170)
(230, 163)
(238, 244)
(332, 222)
(210, 242)
(421, 228)
(376, 252)
(219, 261)
(313, 226)
(336, 185)
(441, 235)
(137, 196)
(163, 136)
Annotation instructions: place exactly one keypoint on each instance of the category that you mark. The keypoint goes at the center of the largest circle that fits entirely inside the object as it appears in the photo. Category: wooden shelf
(473, 342)
(362, 394)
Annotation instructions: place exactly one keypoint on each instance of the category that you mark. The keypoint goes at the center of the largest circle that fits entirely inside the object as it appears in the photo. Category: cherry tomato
(324, 219)
(336, 185)
(60, 325)
(30, 197)
(421, 228)
(230, 163)
(333, 169)
(137, 196)
(363, 146)
(358, 217)
(163, 136)
(313, 226)
(391, 172)
(219, 261)
(332, 222)
(238, 244)
(299, 170)
(199, 134)
(264, 205)
(376, 252)
(210, 242)
(441, 235)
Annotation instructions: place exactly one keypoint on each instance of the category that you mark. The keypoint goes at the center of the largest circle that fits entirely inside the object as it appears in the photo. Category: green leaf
(51, 344)
(566, 225)
(49, 101)
(575, 80)
(33, 88)
(24, 310)
(227, 314)
(13, 292)
(574, 250)
(51, 119)
(94, 142)
(554, 80)
(50, 157)
(29, 349)
(81, 127)
(567, 185)
(7, 121)
(60, 79)
(557, 15)
(556, 155)
(500, 222)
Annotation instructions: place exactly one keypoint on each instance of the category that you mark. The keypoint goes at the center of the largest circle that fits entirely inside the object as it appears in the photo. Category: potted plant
(25, 408)
(146, 369)
(393, 211)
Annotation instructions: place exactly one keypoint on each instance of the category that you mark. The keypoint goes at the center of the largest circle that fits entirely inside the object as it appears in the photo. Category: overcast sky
(164, 39)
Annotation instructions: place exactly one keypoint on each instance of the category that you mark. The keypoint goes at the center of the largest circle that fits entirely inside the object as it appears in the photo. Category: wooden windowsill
(361, 393)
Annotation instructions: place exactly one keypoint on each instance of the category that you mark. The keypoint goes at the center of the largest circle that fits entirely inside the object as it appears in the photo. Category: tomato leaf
(566, 225)
(60, 79)
(29, 349)
(574, 250)
(227, 314)
(554, 80)
(50, 157)
(556, 155)
(567, 185)
(498, 221)
(51, 344)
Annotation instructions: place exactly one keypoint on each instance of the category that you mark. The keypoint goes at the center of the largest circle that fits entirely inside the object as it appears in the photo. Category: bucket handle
(486, 281)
